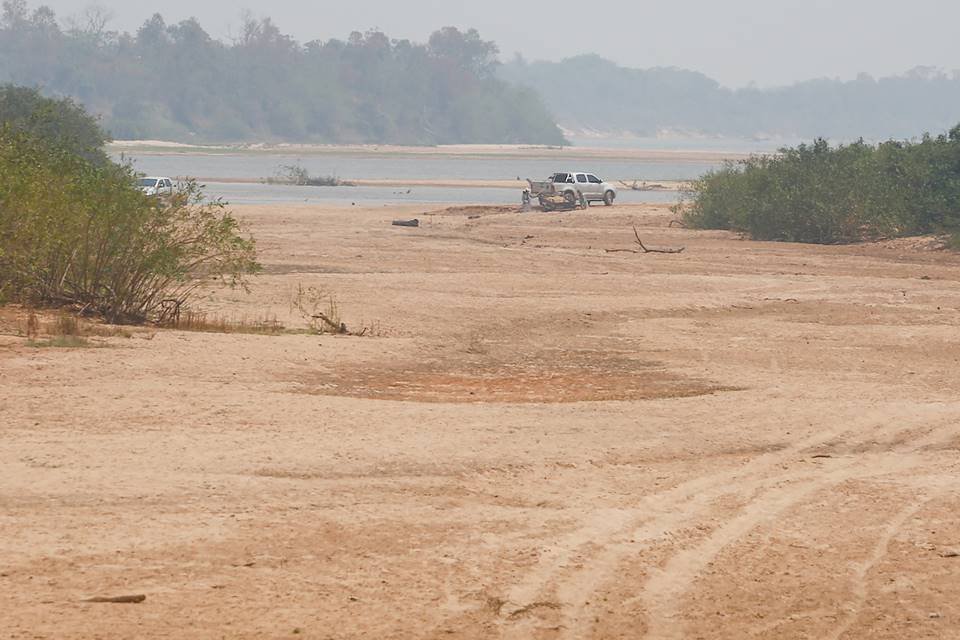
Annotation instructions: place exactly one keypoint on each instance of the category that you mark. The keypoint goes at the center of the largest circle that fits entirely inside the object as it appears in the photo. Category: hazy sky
(769, 42)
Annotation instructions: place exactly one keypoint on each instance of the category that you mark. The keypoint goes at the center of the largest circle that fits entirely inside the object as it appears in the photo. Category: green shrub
(76, 231)
(59, 123)
(823, 194)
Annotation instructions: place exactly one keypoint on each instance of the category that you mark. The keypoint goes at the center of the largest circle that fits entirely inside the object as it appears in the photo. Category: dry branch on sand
(644, 248)
(319, 310)
(330, 324)
(637, 185)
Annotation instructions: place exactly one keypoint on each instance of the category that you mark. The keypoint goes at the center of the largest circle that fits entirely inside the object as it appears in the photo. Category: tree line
(646, 102)
(176, 82)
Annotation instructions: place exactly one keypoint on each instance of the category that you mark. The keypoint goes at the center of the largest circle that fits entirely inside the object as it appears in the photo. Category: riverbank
(541, 434)
(144, 147)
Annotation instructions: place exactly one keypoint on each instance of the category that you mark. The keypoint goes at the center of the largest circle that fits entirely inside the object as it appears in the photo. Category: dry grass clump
(203, 322)
(61, 342)
(321, 313)
(370, 329)
(319, 310)
(65, 331)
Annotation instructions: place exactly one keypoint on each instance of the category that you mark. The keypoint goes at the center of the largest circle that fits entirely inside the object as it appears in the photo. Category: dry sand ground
(543, 440)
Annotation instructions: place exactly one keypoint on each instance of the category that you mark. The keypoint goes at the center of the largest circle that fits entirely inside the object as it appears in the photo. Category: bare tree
(92, 22)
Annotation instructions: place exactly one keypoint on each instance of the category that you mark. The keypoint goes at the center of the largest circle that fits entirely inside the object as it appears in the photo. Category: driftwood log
(119, 599)
(406, 223)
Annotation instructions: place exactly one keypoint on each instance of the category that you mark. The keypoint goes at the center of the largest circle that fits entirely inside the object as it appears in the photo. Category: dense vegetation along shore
(824, 194)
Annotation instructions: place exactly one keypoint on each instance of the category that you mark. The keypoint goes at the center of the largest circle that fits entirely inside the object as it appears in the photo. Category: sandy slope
(541, 440)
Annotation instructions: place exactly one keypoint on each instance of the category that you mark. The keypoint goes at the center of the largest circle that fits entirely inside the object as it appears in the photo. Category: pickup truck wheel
(570, 197)
(608, 198)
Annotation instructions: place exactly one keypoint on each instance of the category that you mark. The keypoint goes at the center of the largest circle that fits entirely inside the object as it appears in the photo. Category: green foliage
(59, 123)
(823, 194)
(77, 232)
(175, 82)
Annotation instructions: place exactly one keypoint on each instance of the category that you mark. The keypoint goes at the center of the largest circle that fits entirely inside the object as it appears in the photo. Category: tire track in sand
(862, 573)
(671, 509)
(664, 591)
(657, 515)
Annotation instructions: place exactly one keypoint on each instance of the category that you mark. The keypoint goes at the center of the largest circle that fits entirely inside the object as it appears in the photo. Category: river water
(373, 196)
(217, 170)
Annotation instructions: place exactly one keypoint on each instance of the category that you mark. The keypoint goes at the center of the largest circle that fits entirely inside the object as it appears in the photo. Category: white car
(593, 188)
(156, 186)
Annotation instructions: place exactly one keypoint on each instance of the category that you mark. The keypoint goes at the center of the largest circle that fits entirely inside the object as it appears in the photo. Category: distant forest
(591, 93)
(175, 82)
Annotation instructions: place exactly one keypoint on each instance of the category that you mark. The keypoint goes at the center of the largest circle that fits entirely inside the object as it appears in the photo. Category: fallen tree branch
(338, 328)
(642, 186)
(646, 250)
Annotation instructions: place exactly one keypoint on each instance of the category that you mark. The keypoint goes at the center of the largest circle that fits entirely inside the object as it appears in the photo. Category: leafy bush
(823, 194)
(77, 232)
(60, 123)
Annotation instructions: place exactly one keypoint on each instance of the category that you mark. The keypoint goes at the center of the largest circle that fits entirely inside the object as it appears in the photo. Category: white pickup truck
(574, 186)
(156, 186)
